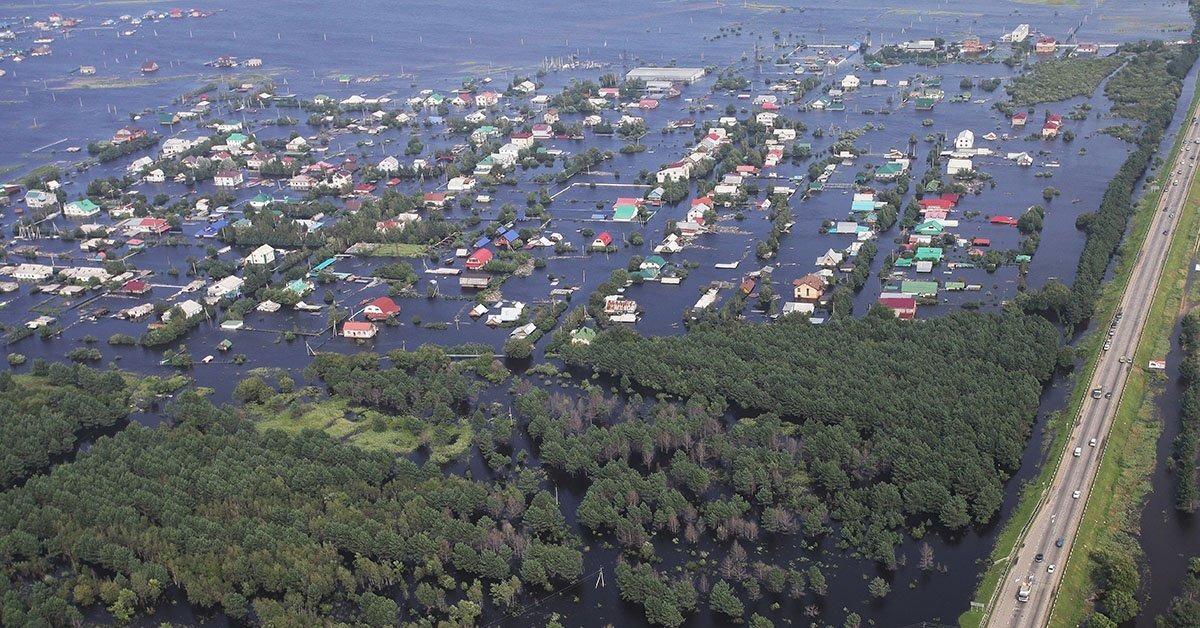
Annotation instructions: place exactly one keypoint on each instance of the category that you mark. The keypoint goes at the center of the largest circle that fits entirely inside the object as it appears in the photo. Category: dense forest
(40, 415)
(279, 530)
(872, 397)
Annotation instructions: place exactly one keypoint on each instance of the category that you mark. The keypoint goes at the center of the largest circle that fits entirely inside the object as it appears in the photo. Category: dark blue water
(398, 52)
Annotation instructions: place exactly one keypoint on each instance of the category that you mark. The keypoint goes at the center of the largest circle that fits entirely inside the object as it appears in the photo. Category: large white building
(32, 272)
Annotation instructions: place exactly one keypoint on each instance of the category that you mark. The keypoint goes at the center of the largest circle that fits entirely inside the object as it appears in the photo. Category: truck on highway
(1025, 590)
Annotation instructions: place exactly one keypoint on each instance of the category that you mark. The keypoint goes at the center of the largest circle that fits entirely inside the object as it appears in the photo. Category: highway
(1047, 543)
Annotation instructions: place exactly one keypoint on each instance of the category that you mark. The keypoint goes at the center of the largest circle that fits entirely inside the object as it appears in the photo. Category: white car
(1076, 494)
(1050, 569)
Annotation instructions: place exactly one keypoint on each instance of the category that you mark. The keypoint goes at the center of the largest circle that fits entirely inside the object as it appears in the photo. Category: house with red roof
(135, 287)
(358, 329)
(380, 309)
(1004, 220)
(1051, 126)
(904, 307)
(1018, 120)
(603, 239)
(435, 199)
(128, 134)
(479, 259)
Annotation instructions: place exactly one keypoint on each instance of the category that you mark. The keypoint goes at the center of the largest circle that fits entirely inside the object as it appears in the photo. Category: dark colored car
(1059, 542)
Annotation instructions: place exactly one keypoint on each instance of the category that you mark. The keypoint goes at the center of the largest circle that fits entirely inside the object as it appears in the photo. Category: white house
(830, 259)
(766, 118)
(264, 254)
(139, 164)
(190, 309)
(677, 171)
(956, 165)
(784, 135)
(174, 146)
(228, 178)
(461, 184)
(487, 99)
(227, 287)
(850, 82)
(301, 182)
(37, 199)
(965, 140)
(297, 145)
(84, 208)
(156, 176)
(389, 164)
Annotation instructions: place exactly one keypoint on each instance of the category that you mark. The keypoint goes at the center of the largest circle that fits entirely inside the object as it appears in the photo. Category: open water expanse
(397, 49)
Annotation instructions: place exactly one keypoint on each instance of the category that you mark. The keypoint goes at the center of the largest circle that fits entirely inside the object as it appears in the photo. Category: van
(1078, 451)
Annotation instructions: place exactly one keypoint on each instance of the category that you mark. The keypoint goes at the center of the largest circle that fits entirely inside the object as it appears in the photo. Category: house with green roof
(903, 262)
(624, 213)
(299, 286)
(261, 200)
(956, 286)
(583, 336)
(920, 288)
(925, 103)
(929, 227)
(889, 171)
(929, 254)
(236, 140)
(84, 208)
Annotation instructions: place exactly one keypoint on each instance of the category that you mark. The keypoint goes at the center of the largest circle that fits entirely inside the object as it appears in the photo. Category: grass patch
(1076, 585)
(1054, 80)
(396, 249)
(368, 429)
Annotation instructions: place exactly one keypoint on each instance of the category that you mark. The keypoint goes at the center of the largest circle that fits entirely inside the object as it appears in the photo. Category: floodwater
(405, 51)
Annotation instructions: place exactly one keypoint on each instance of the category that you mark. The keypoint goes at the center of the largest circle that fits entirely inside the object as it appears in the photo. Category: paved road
(1060, 512)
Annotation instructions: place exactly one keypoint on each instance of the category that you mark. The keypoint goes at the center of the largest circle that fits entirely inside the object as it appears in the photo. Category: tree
(723, 600)
(816, 581)
(378, 610)
(926, 562)
(543, 517)
(253, 390)
(879, 587)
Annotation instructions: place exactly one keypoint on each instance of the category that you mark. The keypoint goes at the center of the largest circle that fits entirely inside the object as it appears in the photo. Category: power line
(528, 607)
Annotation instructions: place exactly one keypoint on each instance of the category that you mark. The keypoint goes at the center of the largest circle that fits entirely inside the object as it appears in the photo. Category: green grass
(1112, 518)
(1076, 577)
(373, 430)
(395, 249)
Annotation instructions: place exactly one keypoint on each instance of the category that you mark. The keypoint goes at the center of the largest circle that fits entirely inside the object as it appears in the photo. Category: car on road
(1096, 392)
(1108, 395)
(1078, 452)
(1107, 345)
(1076, 494)
(1060, 541)
(1112, 332)
(1092, 443)
(1123, 359)
(1039, 557)
(1050, 568)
